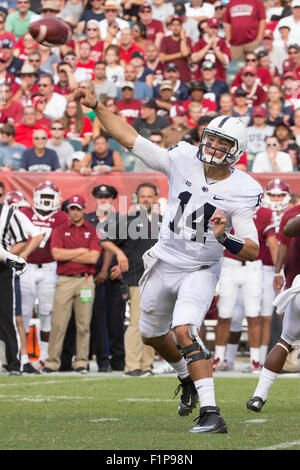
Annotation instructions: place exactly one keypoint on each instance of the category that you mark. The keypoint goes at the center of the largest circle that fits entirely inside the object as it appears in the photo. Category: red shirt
(24, 134)
(211, 56)
(243, 160)
(292, 262)
(126, 54)
(47, 222)
(263, 74)
(207, 105)
(129, 109)
(256, 96)
(62, 89)
(170, 46)
(244, 17)
(70, 237)
(12, 114)
(74, 135)
(97, 50)
(154, 27)
(88, 68)
(265, 225)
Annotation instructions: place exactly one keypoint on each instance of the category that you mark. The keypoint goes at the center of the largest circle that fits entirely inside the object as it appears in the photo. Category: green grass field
(117, 413)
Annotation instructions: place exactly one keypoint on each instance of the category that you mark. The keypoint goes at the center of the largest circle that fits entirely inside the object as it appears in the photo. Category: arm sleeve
(153, 156)
(244, 226)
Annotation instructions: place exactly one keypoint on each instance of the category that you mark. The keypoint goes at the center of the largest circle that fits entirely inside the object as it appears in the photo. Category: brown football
(50, 32)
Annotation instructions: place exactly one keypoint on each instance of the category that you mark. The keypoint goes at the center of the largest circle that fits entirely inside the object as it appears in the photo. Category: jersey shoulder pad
(182, 151)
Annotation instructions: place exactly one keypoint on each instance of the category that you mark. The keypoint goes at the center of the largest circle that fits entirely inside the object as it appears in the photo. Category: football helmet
(225, 128)
(277, 187)
(16, 200)
(40, 199)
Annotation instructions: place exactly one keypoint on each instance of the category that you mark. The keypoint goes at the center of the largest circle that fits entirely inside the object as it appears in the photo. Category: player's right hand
(278, 283)
(84, 96)
(17, 263)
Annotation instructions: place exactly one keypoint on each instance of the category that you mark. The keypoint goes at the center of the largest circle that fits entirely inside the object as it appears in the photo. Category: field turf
(71, 412)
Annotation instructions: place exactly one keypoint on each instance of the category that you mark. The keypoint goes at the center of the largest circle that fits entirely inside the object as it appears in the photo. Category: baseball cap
(268, 34)
(290, 74)
(288, 65)
(48, 5)
(166, 85)
(128, 85)
(79, 155)
(213, 23)
(294, 46)
(137, 54)
(104, 190)
(6, 42)
(36, 99)
(179, 9)
(180, 110)
(284, 26)
(240, 92)
(76, 201)
(175, 17)
(295, 3)
(171, 66)
(197, 86)
(149, 103)
(207, 65)
(249, 69)
(259, 111)
(145, 6)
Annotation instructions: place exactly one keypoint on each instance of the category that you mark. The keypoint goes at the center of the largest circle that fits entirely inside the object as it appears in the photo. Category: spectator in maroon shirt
(263, 75)
(213, 48)
(11, 111)
(177, 48)
(66, 82)
(155, 28)
(256, 95)
(128, 106)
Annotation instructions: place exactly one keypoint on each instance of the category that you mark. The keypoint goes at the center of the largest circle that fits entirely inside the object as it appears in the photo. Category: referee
(12, 240)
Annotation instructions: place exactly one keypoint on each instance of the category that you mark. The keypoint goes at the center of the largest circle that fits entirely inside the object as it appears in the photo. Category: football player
(206, 197)
(289, 302)
(267, 220)
(40, 277)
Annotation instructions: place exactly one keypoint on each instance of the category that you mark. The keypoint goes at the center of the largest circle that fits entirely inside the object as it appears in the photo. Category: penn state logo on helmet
(281, 190)
(16, 200)
(223, 141)
(46, 197)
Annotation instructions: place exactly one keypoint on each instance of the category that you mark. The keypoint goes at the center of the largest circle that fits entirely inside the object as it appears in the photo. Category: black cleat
(189, 397)
(209, 421)
(255, 404)
(29, 369)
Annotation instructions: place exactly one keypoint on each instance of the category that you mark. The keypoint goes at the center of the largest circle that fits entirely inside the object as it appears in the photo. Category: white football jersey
(186, 237)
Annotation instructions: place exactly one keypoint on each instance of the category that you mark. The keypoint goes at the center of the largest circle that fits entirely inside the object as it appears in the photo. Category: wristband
(108, 168)
(281, 273)
(232, 243)
(82, 170)
(222, 238)
(94, 107)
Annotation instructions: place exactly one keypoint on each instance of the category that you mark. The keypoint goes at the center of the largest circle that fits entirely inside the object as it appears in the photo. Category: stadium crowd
(167, 68)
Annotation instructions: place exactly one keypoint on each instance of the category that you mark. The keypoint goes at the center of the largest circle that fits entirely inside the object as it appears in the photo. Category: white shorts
(171, 297)
(238, 316)
(235, 276)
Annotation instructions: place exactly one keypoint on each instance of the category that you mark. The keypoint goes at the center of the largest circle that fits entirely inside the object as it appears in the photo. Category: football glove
(17, 263)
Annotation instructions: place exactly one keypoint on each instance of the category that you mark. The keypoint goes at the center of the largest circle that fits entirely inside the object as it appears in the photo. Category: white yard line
(282, 445)
(150, 400)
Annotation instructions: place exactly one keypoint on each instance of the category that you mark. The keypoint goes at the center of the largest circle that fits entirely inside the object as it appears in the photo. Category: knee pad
(45, 323)
(197, 345)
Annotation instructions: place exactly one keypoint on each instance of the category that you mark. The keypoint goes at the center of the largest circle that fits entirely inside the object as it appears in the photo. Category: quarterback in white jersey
(206, 198)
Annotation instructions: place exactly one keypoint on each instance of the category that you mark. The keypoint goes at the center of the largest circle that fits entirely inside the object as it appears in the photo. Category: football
(50, 32)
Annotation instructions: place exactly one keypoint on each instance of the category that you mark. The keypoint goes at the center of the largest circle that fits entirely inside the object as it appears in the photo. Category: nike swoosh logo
(216, 198)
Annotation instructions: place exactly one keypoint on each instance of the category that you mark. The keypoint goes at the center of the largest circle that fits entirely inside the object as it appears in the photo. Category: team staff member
(138, 357)
(107, 326)
(74, 245)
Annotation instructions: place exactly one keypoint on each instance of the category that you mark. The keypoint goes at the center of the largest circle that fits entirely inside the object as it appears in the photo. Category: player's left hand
(83, 96)
(17, 263)
(219, 222)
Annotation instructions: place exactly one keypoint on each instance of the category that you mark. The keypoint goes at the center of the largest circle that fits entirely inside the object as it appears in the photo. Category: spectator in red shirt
(24, 130)
(66, 82)
(128, 106)
(24, 46)
(28, 87)
(11, 111)
(256, 95)
(127, 46)
(177, 48)
(139, 35)
(213, 48)
(75, 247)
(84, 61)
(263, 75)
(40, 102)
(155, 28)
(78, 126)
(245, 22)
(94, 39)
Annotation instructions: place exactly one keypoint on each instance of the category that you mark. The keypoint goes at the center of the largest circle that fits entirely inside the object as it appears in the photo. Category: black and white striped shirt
(11, 231)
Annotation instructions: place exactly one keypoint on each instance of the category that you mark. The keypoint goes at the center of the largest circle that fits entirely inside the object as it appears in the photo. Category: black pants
(8, 333)
(107, 325)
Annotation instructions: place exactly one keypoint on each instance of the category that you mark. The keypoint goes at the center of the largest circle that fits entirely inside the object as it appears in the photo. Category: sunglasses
(6, 133)
(44, 84)
(40, 138)
(248, 74)
(136, 30)
(34, 60)
(42, 101)
(91, 29)
(145, 11)
(272, 145)
(114, 26)
(57, 128)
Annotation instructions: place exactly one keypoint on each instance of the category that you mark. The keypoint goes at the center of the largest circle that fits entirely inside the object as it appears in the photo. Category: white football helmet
(277, 187)
(16, 200)
(228, 129)
(45, 203)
